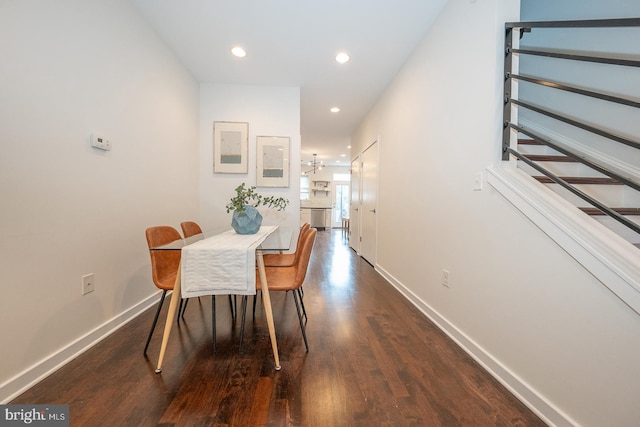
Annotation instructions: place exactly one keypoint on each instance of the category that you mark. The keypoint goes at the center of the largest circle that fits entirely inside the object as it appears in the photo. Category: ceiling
(294, 43)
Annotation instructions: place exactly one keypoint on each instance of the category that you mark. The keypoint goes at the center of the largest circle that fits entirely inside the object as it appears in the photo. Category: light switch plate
(477, 181)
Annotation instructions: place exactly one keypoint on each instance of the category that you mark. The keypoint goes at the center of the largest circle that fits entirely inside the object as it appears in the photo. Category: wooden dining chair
(190, 229)
(291, 278)
(286, 260)
(164, 267)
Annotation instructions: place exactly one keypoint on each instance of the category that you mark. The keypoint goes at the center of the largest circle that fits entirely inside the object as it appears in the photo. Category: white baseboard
(519, 388)
(34, 374)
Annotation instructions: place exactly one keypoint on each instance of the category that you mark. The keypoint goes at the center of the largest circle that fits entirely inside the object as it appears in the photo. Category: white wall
(270, 111)
(519, 303)
(67, 69)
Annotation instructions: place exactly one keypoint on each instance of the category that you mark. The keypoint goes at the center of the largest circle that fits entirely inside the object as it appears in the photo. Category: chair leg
(213, 320)
(181, 309)
(155, 320)
(244, 316)
(255, 299)
(233, 313)
(304, 310)
(304, 333)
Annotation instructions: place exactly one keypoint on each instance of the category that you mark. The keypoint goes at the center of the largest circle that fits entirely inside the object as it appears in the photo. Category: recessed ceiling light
(348, 146)
(334, 109)
(239, 52)
(342, 58)
(343, 155)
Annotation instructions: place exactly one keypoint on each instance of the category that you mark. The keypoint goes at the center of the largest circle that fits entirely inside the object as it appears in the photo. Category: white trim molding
(609, 257)
(606, 255)
(544, 409)
(17, 385)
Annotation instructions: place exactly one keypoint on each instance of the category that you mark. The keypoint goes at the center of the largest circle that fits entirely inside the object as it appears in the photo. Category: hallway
(374, 360)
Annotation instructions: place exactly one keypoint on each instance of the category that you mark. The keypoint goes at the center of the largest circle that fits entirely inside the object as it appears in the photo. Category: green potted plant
(246, 218)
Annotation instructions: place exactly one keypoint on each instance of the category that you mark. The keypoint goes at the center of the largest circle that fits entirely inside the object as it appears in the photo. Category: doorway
(354, 227)
(340, 203)
(368, 211)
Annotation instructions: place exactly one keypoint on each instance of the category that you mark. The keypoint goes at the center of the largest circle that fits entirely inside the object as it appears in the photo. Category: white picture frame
(230, 147)
(272, 161)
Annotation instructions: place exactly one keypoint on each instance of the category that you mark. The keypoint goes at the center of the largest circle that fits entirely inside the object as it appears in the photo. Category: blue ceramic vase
(247, 221)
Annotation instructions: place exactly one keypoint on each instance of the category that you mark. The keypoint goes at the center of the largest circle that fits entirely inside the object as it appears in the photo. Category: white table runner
(222, 264)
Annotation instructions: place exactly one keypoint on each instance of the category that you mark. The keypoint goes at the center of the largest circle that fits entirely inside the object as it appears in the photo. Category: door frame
(369, 168)
(338, 223)
(354, 205)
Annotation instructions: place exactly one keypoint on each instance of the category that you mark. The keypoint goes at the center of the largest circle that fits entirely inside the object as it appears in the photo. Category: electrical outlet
(445, 278)
(88, 283)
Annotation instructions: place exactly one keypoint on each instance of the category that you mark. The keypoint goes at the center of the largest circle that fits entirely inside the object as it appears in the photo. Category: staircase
(570, 117)
(608, 191)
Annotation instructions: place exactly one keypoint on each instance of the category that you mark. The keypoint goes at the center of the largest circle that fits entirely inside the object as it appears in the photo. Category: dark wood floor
(374, 360)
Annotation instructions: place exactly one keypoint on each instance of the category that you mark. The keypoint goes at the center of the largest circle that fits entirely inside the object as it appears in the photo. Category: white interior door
(368, 227)
(354, 208)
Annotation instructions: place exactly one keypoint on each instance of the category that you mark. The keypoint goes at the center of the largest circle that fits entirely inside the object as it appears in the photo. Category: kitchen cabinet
(321, 188)
(305, 216)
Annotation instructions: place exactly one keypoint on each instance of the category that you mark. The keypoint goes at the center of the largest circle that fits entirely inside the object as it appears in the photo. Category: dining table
(224, 263)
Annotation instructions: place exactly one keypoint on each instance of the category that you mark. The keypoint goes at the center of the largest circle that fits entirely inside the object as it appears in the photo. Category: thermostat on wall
(100, 142)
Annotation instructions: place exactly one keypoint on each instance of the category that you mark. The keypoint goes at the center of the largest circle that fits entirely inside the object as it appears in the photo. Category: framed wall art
(272, 161)
(230, 147)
